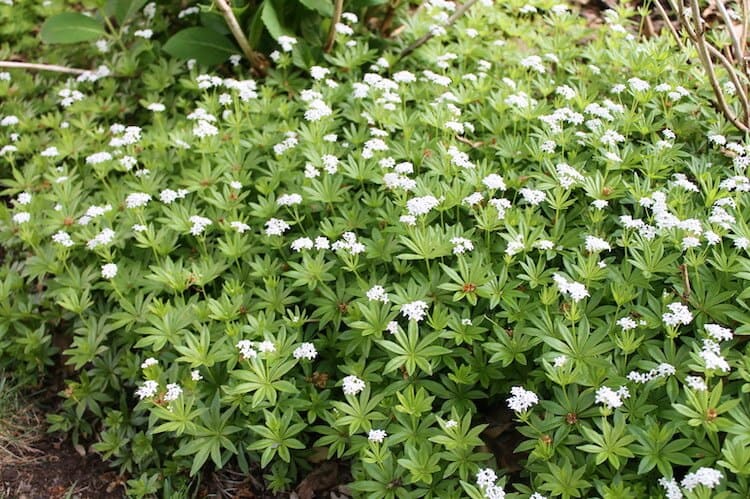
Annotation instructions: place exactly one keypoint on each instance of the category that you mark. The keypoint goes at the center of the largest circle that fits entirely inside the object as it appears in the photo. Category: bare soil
(52, 469)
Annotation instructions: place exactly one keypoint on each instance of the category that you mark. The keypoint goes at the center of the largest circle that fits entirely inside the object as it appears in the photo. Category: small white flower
(718, 333)
(287, 43)
(137, 200)
(610, 398)
(266, 346)
(377, 436)
(246, 349)
(377, 293)
(63, 239)
(109, 270)
(173, 392)
(521, 399)
(147, 389)
(276, 227)
(289, 200)
(696, 383)
(195, 375)
(414, 311)
(596, 245)
(532, 196)
(149, 362)
(494, 181)
(708, 477)
(678, 314)
(21, 217)
(353, 385)
(305, 351)
(144, 33)
(199, 224)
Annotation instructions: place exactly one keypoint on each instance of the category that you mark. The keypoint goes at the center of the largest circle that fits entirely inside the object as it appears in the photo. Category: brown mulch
(55, 470)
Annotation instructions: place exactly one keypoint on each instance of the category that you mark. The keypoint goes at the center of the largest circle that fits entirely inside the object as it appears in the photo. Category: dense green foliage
(240, 273)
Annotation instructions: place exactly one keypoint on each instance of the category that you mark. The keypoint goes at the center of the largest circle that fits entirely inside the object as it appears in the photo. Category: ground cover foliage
(357, 260)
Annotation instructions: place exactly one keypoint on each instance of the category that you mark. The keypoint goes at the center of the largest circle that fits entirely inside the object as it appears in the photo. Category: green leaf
(322, 7)
(71, 27)
(215, 22)
(123, 10)
(202, 44)
(271, 20)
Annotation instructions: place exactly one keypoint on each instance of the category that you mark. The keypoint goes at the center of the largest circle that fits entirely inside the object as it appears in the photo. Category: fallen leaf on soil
(322, 478)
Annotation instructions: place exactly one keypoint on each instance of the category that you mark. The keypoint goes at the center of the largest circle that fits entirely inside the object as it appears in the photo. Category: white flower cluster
(377, 293)
(678, 314)
(711, 355)
(105, 237)
(289, 142)
(287, 42)
(289, 200)
(317, 109)
(576, 290)
(124, 136)
(501, 205)
(276, 227)
(204, 126)
(199, 224)
(494, 181)
(414, 311)
(718, 333)
(97, 158)
(109, 270)
(69, 96)
(421, 205)
(486, 479)
(305, 351)
(137, 199)
(460, 158)
(93, 212)
(473, 199)
(627, 323)
(377, 436)
(521, 399)
(21, 217)
(696, 383)
(173, 392)
(597, 245)
(349, 244)
(610, 398)
(661, 371)
(247, 351)
(567, 175)
(63, 239)
(168, 196)
(532, 196)
(352, 385)
(708, 477)
(147, 390)
(461, 245)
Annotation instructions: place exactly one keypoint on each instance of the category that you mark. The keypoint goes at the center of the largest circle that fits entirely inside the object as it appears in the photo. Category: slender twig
(257, 61)
(427, 37)
(703, 52)
(739, 51)
(41, 67)
(338, 7)
(668, 22)
(745, 23)
(733, 74)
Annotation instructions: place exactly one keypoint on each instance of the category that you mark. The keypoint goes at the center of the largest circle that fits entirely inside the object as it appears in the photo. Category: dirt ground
(50, 469)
